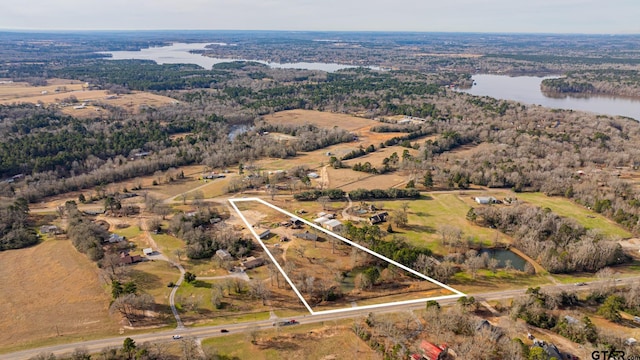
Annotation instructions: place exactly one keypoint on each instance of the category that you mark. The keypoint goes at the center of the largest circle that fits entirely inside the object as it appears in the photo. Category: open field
(384, 181)
(50, 292)
(358, 125)
(22, 90)
(319, 118)
(161, 191)
(63, 89)
(333, 340)
(565, 207)
(376, 157)
(426, 216)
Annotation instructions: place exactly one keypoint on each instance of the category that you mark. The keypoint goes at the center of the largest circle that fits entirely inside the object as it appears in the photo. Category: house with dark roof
(551, 350)
(127, 259)
(494, 332)
(378, 218)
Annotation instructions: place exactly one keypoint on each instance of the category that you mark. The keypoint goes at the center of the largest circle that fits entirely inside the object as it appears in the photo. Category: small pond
(502, 255)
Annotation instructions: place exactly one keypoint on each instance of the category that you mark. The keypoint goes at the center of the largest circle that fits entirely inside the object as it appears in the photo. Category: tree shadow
(145, 280)
(416, 228)
(201, 284)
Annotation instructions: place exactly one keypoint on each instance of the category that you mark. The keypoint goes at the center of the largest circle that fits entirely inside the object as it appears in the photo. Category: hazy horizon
(455, 16)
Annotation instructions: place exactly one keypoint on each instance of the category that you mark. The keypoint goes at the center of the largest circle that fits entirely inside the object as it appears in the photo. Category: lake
(178, 53)
(502, 255)
(526, 89)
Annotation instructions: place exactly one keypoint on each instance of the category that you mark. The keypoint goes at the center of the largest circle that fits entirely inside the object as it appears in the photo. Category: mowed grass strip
(585, 217)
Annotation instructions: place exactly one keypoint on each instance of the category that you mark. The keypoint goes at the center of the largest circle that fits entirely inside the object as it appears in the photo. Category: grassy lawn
(487, 281)
(574, 278)
(567, 208)
(194, 303)
(153, 276)
(129, 232)
(234, 319)
(167, 243)
(427, 215)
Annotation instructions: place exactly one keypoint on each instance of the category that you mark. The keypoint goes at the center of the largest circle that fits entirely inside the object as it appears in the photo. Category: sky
(513, 16)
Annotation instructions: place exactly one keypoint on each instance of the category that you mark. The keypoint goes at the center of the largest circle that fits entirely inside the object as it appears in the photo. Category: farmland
(74, 94)
(59, 298)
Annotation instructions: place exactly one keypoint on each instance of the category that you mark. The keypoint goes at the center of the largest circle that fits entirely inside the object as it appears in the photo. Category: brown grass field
(58, 90)
(328, 341)
(358, 125)
(51, 289)
(319, 118)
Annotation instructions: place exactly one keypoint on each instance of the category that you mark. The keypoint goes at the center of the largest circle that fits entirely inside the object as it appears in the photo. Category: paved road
(213, 331)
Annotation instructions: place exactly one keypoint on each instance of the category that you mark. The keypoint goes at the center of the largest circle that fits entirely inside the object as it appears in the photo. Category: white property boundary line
(457, 293)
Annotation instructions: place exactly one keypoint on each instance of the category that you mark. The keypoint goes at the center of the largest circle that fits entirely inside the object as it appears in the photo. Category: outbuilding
(333, 225)
(483, 200)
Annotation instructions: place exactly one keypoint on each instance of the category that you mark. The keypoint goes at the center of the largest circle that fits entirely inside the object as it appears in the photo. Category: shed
(485, 200)
(313, 175)
(306, 236)
(333, 225)
(321, 220)
(264, 234)
(223, 255)
(252, 262)
(147, 251)
(46, 229)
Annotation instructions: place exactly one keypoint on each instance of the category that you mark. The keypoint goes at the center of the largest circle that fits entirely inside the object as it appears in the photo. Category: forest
(520, 147)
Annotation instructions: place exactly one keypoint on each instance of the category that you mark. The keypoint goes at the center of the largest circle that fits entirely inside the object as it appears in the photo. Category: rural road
(213, 331)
